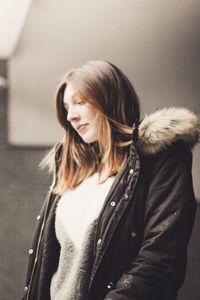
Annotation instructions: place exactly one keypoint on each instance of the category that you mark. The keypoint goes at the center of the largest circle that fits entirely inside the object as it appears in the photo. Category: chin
(89, 140)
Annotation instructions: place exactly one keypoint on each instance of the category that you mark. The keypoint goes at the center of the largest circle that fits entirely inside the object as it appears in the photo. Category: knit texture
(75, 224)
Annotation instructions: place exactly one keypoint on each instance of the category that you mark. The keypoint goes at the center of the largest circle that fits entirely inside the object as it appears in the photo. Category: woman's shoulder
(166, 138)
(52, 157)
(167, 130)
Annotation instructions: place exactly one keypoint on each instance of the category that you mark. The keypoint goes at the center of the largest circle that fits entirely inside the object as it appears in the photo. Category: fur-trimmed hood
(156, 131)
(165, 126)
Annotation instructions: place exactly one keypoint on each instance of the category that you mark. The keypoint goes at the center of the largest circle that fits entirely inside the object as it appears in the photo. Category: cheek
(94, 116)
(91, 115)
(95, 120)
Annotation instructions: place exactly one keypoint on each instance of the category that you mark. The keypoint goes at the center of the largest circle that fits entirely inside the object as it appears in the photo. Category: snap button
(126, 195)
(30, 251)
(99, 242)
(133, 234)
(38, 217)
(112, 203)
(25, 289)
(131, 171)
(110, 285)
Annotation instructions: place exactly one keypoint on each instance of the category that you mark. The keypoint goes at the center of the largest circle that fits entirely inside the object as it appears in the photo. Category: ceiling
(12, 18)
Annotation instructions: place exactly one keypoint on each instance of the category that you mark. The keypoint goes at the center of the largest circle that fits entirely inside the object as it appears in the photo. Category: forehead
(69, 94)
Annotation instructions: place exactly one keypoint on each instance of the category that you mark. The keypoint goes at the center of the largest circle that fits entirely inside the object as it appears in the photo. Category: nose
(72, 115)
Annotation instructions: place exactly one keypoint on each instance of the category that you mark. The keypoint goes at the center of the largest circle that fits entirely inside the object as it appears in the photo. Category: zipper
(137, 170)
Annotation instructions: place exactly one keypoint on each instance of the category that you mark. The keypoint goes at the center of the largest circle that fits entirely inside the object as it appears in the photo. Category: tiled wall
(22, 189)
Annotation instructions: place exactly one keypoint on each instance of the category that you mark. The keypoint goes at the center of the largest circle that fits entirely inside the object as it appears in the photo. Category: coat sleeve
(169, 214)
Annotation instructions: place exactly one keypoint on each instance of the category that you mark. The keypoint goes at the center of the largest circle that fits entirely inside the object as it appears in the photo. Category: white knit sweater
(75, 223)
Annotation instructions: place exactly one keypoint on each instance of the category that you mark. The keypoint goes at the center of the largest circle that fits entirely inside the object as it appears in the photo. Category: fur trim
(165, 126)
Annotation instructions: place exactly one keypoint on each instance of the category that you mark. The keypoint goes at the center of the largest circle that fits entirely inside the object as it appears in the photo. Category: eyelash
(79, 102)
(76, 102)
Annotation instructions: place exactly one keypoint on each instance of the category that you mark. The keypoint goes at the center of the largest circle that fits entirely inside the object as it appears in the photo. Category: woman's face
(81, 115)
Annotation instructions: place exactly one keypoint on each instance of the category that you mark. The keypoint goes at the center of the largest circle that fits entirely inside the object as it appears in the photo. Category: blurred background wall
(156, 43)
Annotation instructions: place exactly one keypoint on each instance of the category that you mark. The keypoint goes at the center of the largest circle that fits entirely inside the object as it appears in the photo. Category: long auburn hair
(107, 89)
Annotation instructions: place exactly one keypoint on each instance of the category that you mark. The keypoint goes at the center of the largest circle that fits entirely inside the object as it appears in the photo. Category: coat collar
(162, 128)
(156, 132)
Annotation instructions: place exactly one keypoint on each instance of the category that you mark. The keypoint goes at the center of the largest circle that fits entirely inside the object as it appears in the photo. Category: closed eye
(75, 101)
(79, 102)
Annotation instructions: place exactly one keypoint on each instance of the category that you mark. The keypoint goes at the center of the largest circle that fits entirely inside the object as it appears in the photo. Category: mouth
(81, 127)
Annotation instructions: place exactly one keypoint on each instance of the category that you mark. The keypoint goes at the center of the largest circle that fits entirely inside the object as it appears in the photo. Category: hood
(165, 126)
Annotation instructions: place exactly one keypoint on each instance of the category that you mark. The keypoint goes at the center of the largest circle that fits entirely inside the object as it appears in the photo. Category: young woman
(118, 217)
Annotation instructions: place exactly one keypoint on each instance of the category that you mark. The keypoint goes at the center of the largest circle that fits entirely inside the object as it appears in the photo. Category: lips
(81, 127)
